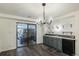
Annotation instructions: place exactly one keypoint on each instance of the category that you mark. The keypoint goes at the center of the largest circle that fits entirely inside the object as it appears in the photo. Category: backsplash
(61, 26)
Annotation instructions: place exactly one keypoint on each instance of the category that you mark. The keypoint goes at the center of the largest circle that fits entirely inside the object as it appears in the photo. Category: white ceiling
(35, 9)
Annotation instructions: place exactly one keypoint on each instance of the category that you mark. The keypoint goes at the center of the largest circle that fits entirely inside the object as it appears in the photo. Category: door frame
(27, 28)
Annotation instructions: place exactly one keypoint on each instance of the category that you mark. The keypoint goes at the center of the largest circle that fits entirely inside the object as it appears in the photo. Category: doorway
(26, 34)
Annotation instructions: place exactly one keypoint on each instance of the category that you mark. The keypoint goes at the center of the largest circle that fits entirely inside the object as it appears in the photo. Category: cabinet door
(51, 42)
(47, 40)
(59, 44)
(44, 40)
(55, 43)
(68, 46)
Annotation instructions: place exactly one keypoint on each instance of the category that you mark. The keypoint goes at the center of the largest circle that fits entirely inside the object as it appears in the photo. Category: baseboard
(7, 50)
(16, 48)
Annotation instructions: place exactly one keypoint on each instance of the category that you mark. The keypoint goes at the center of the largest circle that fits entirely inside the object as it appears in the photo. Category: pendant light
(44, 21)
(44, 16)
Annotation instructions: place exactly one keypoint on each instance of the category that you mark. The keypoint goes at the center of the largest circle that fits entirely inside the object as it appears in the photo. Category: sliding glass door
(21, 34)
(32, 33)
(26, 34)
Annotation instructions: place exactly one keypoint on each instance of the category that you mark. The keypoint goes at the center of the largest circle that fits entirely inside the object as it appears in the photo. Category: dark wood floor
(36, 50)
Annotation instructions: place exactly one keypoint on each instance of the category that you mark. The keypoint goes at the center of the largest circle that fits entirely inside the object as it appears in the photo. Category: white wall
(66, 23)
(77, 34)
(63, 20)
(8, 33)
(39, 34)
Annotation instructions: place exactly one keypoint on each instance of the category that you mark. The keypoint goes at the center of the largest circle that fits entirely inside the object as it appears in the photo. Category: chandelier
(44, 21)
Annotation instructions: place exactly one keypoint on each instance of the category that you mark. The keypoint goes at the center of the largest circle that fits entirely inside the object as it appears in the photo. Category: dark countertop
(59, 35)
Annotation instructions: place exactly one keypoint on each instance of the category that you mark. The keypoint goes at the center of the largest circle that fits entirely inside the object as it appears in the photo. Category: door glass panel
(26, 34)
(32, 33)
(21, 34)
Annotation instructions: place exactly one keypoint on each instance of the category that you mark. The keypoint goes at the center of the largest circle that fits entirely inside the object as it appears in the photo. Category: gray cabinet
(46, 40)
(59, 44)
(53, 42)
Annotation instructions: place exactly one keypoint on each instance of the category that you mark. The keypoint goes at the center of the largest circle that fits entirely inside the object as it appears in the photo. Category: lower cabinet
(64, 45)
(50, 43)
(53, 42)
(46, 40)
(68, 46)
(59, 44)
